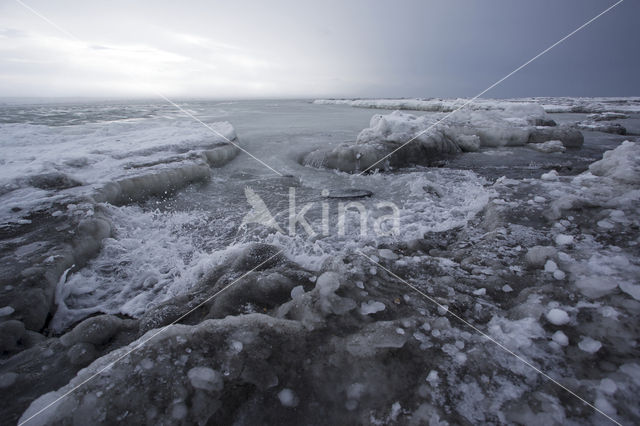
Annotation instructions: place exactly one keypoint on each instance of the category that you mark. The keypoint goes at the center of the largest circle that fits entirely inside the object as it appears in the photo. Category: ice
(6, 311)
(297, 292)
(631, 289)
(558, 317)
(328, 283)
(563, 239)
(206, 378)
(287, 398)
(608, 386)
(549, 146)
(537, 256)
(560, 338)
(621, 164)
(387, 254)
(371, 307)
(589, 345)
(559, 275)
(431, 141)
(550, 176)
(550, 266)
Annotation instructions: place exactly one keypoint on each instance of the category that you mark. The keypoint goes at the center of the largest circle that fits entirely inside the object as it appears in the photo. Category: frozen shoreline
(547, 264)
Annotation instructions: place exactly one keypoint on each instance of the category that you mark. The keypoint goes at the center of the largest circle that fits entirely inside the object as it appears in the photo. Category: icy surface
(545, 263)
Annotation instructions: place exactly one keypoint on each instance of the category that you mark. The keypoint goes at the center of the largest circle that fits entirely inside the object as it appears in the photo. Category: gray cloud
(292, 48)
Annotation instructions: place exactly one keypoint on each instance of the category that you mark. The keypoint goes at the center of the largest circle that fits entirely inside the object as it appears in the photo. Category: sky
(290, 49)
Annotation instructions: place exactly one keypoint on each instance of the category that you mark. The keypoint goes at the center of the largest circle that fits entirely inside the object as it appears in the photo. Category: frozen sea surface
(539, 250)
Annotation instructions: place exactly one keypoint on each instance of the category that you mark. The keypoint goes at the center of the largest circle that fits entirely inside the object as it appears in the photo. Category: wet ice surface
(544, 260)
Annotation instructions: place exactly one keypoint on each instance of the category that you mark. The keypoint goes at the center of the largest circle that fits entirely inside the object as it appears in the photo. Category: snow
(589, 345)
(558, 317)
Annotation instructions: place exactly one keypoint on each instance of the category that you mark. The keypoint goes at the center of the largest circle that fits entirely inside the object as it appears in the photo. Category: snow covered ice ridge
(400, 139)
(551, 105)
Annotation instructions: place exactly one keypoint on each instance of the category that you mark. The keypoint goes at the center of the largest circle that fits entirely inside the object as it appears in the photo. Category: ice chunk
(6, 311)
(560, 338)
(328, 283)
(537, 255)
(548, 147)
(621, 164)
(559, 275)
(288, 398)
(206, 378)
(557, 316)
(433, 378)
(550, 176)
(589, 345)
(387, 254)
(297, 291)
(608, 386)
(631, 289)
(371, 307)
(564, 240)
(550, 266)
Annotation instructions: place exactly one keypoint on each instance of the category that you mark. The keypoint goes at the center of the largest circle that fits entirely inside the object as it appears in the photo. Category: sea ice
(371, 307)
(558, 316)
(589, 345)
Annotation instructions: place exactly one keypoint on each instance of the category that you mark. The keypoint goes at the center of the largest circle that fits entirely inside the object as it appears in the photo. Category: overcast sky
(238, 49)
